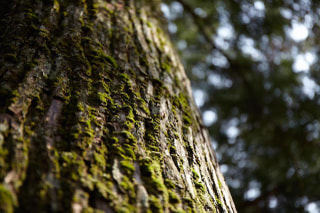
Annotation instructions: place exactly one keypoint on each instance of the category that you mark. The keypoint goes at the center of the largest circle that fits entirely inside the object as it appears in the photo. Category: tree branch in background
(198, 20)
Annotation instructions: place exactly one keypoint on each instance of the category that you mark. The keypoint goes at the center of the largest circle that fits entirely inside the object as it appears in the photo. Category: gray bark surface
(96, 113)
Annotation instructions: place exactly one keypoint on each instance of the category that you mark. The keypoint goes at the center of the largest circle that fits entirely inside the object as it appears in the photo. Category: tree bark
(96, 113)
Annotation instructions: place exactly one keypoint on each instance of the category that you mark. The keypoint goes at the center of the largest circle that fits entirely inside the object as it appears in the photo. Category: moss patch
(7, 202)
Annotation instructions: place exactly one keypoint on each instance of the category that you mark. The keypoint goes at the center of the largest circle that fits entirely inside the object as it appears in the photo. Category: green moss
(149, 24)
(73, 166)
(157, 182)
(104, 97)
(44, 33)
(151, 174)
(173, 210)
(143, 105)
(108, 9)
(199, 186)
(128, 137)
(153, 148)
(118, 150)
(147, 167)
(126, 208)
(105, 189)
(87, 131)
(128, 125)
(7, 201)
(169, 184)
(176, 135)
(125, 96)
(220, 184)
(188, 201)
(88, 210)
(186, 120)
(31, 16)
(128, 186)
(128, 167)
(152, 143)
(100, 159)
(124, 78)
(166, 67)
(130, 153)
(111, 60)
(219, 202)
(155, 154)
(172, 149)
(56, 5)
(173, 197)
(195, 174)
(153, 126)
(161, 36)
(155, 204)
(114, 140)
(93, 8)
(181, 101)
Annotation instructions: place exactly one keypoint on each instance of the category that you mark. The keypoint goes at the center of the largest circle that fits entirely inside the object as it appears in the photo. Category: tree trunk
(96, 113)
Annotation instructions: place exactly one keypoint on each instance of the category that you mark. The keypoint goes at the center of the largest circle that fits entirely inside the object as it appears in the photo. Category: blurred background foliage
(255, 74)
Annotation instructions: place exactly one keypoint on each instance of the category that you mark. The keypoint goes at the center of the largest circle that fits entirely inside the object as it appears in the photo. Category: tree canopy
(255, 75)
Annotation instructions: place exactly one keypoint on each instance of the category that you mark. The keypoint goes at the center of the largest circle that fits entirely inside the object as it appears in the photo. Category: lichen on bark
(96, 113)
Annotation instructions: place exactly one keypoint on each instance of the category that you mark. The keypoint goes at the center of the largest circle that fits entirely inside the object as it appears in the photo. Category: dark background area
(255, 74)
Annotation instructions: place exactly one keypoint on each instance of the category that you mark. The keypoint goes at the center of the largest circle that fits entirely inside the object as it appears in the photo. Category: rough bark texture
(96, 113)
